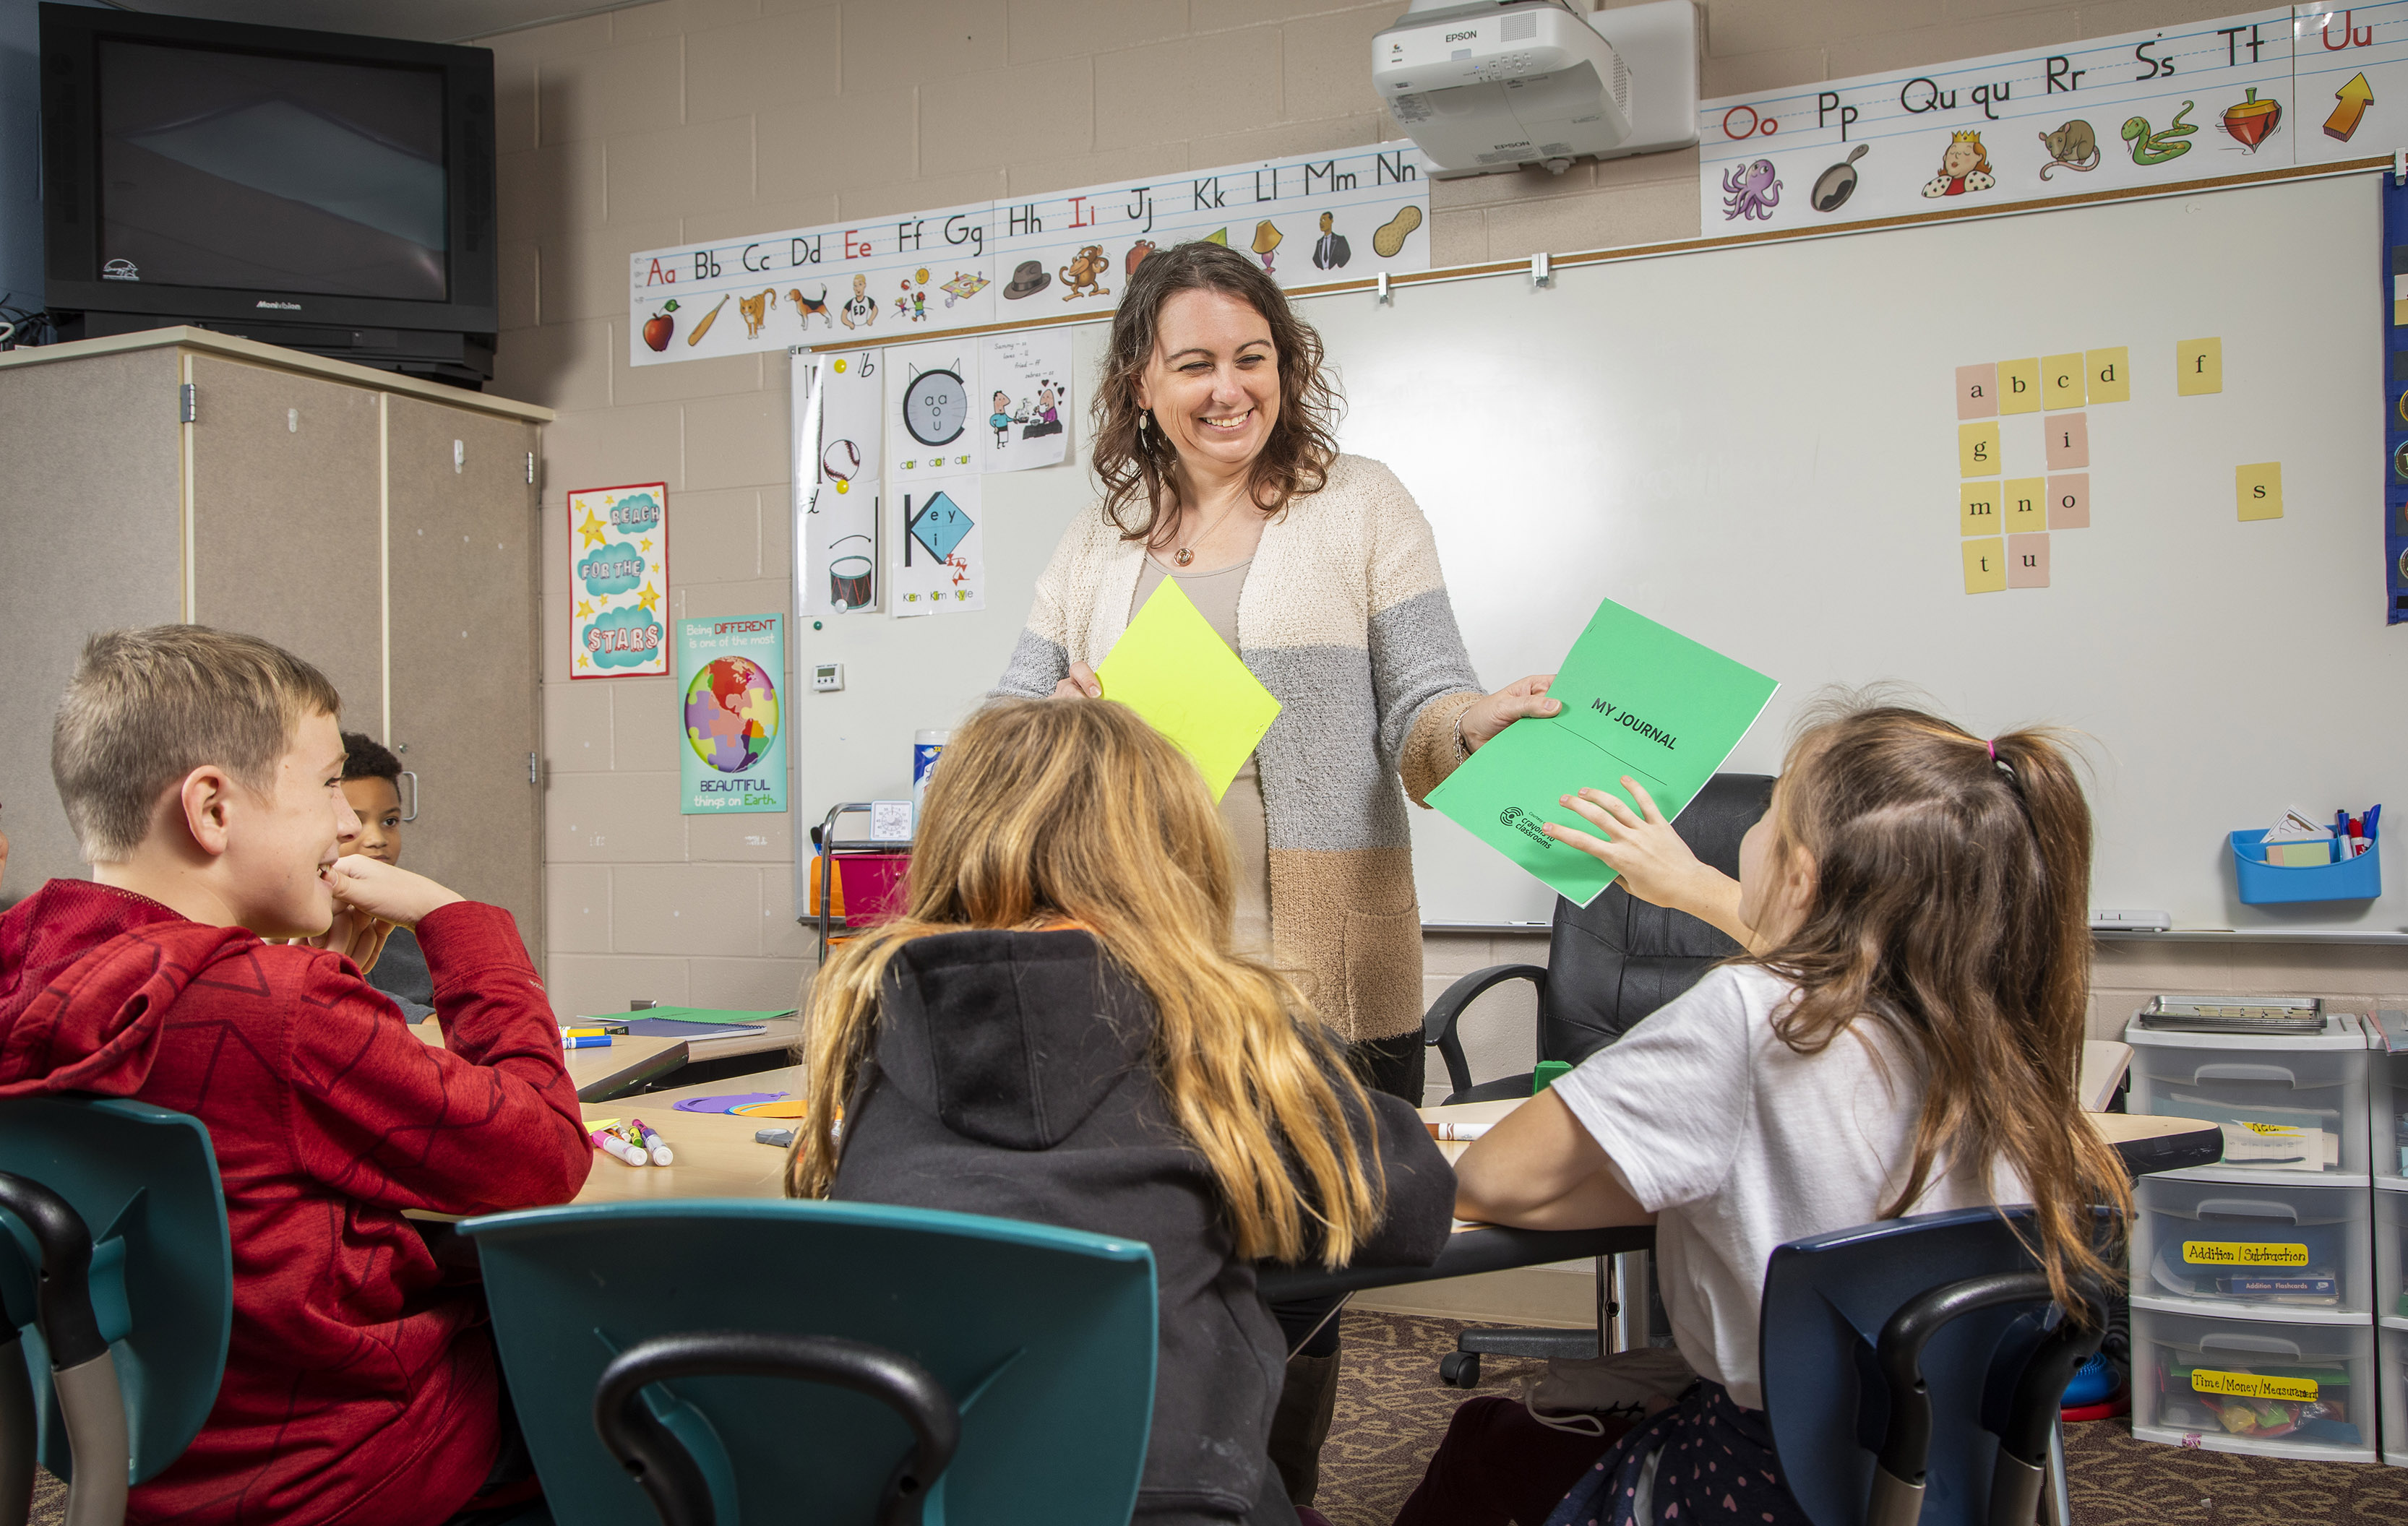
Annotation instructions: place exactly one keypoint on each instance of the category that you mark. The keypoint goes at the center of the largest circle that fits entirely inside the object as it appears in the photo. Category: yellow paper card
(1172, 668)
(2019, 386)
(1985, 565)
(1977, 449)
(2062, 381)
(2198, 367)
(1977, 509)
(2026, 501)
(2111, 375)
(2259, 489)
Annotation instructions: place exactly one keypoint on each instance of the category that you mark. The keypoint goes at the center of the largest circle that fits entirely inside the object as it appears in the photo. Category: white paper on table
(937, 565)
(933, 403)
(1024, 388)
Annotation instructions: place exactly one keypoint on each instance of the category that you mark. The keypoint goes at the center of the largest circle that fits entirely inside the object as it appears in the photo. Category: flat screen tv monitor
(329, 192)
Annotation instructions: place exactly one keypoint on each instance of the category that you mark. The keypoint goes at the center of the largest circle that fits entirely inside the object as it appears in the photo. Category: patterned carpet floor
(1392, 1410)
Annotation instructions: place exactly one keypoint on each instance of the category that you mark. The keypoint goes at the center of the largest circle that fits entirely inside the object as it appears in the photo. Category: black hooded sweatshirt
(1010, 1077)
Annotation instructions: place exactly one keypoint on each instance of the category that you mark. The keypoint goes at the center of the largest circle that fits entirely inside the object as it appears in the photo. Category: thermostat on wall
(828, 677)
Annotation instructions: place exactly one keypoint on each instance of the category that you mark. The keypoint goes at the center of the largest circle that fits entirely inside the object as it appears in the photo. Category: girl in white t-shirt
(1902, 1037)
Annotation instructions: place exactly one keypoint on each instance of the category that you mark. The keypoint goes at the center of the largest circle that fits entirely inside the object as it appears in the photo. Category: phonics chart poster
(1308, 218)
(619, 581)
(837, 401)
(938, 563)
(734, 717)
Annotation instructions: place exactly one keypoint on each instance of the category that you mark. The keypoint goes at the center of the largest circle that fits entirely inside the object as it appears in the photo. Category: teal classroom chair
(1913, 1371)
(117, 1283)
(844, 1363)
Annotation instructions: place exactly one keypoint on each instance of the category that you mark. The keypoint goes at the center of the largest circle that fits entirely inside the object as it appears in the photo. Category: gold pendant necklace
(1188, 553)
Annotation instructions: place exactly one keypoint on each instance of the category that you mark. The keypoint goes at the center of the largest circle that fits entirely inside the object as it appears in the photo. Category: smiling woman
(1213, 443)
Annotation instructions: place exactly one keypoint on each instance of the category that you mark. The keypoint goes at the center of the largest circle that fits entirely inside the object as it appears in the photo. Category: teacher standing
(1213, 442)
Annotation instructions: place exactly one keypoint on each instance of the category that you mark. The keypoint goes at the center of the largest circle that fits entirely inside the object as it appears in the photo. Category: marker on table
(611, 1144)
(1457, 1133)
(585, 1042)
(653, 1144)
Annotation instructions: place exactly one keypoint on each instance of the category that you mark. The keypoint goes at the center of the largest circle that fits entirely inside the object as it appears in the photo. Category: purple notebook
(728, 1102)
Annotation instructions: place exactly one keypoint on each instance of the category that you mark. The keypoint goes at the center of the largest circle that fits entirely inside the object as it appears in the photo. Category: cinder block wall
(691, 120)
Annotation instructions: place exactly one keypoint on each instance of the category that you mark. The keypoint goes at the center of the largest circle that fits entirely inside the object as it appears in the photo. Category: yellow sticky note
(2062, 381)
(2198, 367)
(1977, 449)
(2110, 375)
(2025, 504)
(1977, 509)
(1985, 565)
(2019, 386)
(1174, 669)
(2259, 489)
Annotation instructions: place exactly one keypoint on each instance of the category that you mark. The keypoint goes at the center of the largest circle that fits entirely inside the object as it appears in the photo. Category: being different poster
(733, 715)
(619, 581)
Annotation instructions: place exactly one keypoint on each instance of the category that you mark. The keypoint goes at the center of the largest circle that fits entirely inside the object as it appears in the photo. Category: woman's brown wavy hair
(1950, 905)
(1140, 467)
(1054, 811)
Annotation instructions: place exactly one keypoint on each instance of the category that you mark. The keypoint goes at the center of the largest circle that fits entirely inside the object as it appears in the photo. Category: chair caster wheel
(1459, 1369)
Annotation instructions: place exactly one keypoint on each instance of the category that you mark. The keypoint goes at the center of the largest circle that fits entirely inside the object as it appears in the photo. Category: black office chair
(1608, 964)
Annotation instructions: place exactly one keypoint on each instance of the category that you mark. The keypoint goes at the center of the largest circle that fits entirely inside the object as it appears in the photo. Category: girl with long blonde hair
(1903, 1036)
(1058, 1029)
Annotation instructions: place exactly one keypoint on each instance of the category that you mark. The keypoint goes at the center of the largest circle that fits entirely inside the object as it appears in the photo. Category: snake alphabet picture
(2156, 148)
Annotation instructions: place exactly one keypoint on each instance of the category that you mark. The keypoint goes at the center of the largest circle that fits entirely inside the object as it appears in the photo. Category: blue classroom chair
(117, 1286)
(1912, 1374)
(767, 1361)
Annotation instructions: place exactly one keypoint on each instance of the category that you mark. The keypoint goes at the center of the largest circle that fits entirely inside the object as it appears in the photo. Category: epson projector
(1494, 86)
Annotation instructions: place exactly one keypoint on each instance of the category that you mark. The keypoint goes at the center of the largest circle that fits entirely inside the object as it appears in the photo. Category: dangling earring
(1143, 419)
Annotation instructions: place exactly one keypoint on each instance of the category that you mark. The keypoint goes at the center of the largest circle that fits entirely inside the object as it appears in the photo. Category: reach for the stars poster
(619, 581)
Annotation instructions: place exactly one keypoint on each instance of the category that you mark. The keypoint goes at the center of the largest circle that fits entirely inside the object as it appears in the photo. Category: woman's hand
(1492, 713)
(372, 887)
(1655, 866)
(1080, 683)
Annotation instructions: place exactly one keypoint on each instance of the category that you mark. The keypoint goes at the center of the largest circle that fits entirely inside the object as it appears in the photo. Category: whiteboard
(1757, 447)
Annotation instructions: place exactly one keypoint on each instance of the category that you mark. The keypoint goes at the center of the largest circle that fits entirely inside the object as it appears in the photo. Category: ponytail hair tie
(1993, 746)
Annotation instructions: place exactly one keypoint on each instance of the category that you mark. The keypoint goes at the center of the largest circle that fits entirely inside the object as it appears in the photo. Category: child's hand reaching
(371, 888)
(1655, 866)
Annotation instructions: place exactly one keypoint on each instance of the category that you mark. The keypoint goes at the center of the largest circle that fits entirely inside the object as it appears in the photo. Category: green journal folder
(1639, 699)
(1171, 667)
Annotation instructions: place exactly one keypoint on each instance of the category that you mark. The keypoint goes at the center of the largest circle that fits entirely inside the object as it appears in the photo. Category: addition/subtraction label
(2252, 1385)
(2242, 1254)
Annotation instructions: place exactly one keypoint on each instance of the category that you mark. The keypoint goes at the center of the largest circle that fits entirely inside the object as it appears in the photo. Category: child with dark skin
(372, 784)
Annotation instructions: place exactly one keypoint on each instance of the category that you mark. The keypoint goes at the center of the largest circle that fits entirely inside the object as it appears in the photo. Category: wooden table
(714, 1153)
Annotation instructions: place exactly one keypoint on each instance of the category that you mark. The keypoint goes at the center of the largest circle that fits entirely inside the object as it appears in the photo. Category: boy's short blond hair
(147, 707)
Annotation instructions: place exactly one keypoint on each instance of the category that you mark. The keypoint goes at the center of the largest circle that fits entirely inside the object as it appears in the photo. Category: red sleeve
(487, 1123)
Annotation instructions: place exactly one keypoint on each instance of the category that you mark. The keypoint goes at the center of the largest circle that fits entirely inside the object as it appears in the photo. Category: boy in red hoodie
(202, 772)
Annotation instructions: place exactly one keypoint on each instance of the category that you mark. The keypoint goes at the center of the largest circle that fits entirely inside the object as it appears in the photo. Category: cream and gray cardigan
(1345, 620)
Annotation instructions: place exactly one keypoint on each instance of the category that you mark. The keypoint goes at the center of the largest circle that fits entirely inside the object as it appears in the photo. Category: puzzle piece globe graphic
(731, 714)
